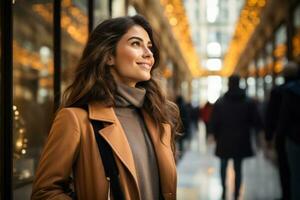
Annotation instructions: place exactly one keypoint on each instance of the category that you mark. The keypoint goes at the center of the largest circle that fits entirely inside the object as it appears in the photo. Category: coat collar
(116, 138)
(107, 114)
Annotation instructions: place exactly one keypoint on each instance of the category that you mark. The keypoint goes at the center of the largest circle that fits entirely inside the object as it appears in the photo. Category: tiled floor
(198, 175)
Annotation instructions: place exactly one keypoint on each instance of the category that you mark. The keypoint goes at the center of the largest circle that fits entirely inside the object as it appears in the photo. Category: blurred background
(202, 43)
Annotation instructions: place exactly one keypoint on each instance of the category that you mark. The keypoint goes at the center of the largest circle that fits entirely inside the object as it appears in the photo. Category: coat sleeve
(59, 153)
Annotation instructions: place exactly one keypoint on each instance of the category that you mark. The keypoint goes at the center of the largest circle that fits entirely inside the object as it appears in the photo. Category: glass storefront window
(32, 88)
(74, 33)
(296, 39)
(280, 48)
(101, 11)
(118, 8)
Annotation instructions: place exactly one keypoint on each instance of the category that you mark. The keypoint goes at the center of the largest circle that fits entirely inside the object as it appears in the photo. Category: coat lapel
(113, 134)
(165, 159)
(116, 138)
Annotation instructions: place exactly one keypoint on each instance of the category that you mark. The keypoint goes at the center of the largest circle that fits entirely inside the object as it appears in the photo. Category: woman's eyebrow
(138, 38)
(135, 37)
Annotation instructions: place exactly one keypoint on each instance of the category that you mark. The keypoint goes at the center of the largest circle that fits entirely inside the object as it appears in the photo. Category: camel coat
(71, 146)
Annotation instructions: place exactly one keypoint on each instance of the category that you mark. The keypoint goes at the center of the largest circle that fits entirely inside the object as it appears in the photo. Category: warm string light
(78, 30)
(279, 53)
(280, 50)
(175, 13)
(249, 19)
(19, 130)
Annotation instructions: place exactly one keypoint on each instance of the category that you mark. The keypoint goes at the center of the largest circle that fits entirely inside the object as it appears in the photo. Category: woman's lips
(145, 65)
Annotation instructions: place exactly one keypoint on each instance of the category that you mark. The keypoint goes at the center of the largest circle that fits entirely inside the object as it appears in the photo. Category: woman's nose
(147, 52)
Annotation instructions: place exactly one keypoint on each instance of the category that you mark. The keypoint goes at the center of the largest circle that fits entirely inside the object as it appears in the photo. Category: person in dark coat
(289, 127)
(233, 117)
(194, 116)
(185, 119)
(271, 121)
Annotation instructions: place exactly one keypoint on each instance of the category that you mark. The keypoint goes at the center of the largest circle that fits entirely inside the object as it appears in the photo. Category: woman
(114, 79)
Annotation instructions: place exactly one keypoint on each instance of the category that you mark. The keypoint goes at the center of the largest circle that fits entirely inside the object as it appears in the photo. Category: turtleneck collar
(129, 96)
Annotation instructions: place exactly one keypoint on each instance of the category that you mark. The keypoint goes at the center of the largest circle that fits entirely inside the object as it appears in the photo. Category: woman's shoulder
(73, 109)
(72, 112)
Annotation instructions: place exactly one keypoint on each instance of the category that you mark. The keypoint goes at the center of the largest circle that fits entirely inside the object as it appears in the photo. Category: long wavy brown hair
(93, 80)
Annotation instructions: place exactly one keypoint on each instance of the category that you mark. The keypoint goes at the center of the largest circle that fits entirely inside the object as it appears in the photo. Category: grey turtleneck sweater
(128, 102)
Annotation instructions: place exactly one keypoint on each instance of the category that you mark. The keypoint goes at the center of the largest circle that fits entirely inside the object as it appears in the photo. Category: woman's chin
(145, 78)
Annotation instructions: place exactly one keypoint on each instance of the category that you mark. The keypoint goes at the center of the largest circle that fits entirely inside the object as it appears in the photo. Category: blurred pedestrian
(233, 117)
(206, 115)
(289, 127)
(195, 117)
(289, 73)
(186, 123)
(114, 88)
(190, 120)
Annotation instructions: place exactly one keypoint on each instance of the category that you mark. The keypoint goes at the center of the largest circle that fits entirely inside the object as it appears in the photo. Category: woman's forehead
(137, 31)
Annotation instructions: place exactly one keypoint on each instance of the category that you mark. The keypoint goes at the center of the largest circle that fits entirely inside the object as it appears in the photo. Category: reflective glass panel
(101, 11)
(74, 33)
(32, 88)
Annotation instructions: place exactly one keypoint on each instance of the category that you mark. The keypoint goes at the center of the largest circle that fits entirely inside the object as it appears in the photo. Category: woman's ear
(110, 60)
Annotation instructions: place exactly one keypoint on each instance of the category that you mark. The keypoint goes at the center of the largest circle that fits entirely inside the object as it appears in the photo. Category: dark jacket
(289, 121)
(272, 112)
(233, 117)
(184, 116)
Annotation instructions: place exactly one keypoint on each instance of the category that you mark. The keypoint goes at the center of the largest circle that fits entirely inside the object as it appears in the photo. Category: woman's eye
(136, 43)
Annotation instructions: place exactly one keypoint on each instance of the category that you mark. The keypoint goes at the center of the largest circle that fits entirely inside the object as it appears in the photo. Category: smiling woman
(113, 87)
(133, 60)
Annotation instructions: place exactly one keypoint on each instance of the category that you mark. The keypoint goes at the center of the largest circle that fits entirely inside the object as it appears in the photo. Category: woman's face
(133, 60)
